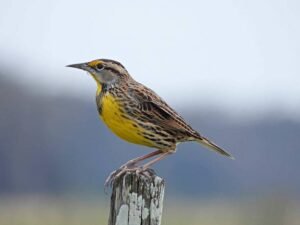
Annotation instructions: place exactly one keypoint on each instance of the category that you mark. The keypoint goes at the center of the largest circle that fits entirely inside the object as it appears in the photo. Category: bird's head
(104, 71)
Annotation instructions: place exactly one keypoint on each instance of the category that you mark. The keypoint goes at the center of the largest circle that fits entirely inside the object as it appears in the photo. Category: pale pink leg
(129, 166)
(162, 156)
(133, 162)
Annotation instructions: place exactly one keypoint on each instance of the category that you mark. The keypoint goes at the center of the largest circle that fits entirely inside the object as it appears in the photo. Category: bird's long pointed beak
(82, 66)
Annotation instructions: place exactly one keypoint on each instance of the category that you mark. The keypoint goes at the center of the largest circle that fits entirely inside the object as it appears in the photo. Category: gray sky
(240, 55)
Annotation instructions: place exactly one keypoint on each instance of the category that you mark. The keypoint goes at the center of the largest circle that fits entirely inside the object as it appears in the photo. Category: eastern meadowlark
(138, 115)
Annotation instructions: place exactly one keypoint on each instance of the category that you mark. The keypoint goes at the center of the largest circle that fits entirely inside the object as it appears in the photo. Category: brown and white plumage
(137, 114)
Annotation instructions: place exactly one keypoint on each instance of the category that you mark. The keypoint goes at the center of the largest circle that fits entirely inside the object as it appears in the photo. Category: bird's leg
(148, 164)
(131, 163)
(129, 166)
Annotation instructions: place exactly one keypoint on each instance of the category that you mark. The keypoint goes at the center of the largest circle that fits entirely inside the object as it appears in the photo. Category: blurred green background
(230, 68)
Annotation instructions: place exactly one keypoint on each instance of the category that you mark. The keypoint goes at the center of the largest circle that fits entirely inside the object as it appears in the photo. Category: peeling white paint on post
(137, 200)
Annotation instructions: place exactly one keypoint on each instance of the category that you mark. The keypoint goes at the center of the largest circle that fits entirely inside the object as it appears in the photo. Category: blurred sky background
(231, 68)
(240, 54)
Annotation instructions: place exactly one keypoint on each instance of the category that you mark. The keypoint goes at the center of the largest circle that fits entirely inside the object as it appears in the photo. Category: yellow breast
(127, 129)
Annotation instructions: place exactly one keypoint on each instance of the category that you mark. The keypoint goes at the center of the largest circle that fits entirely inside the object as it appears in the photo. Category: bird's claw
(116, 174)
(147, 172)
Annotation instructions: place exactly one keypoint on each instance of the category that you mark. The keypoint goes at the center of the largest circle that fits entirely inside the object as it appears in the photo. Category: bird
(138, 115)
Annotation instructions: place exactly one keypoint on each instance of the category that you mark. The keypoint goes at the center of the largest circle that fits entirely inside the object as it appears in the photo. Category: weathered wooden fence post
(136, 200)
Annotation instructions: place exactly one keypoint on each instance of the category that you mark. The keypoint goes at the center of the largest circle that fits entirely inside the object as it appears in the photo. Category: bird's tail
(212, 146)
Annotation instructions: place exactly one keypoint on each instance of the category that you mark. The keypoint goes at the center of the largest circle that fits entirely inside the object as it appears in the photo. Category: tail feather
(212, 146)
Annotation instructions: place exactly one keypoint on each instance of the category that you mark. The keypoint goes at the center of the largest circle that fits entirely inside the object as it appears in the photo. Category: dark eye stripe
(114, 71)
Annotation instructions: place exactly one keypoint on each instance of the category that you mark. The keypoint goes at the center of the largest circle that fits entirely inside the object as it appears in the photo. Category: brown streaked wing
(159, 112)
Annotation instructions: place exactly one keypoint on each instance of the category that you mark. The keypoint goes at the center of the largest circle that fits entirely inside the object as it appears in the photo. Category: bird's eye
(99, 67)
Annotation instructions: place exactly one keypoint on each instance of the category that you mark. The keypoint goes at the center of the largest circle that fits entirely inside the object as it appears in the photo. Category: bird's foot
(116, 174)
(147, 172)
(131, 164)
